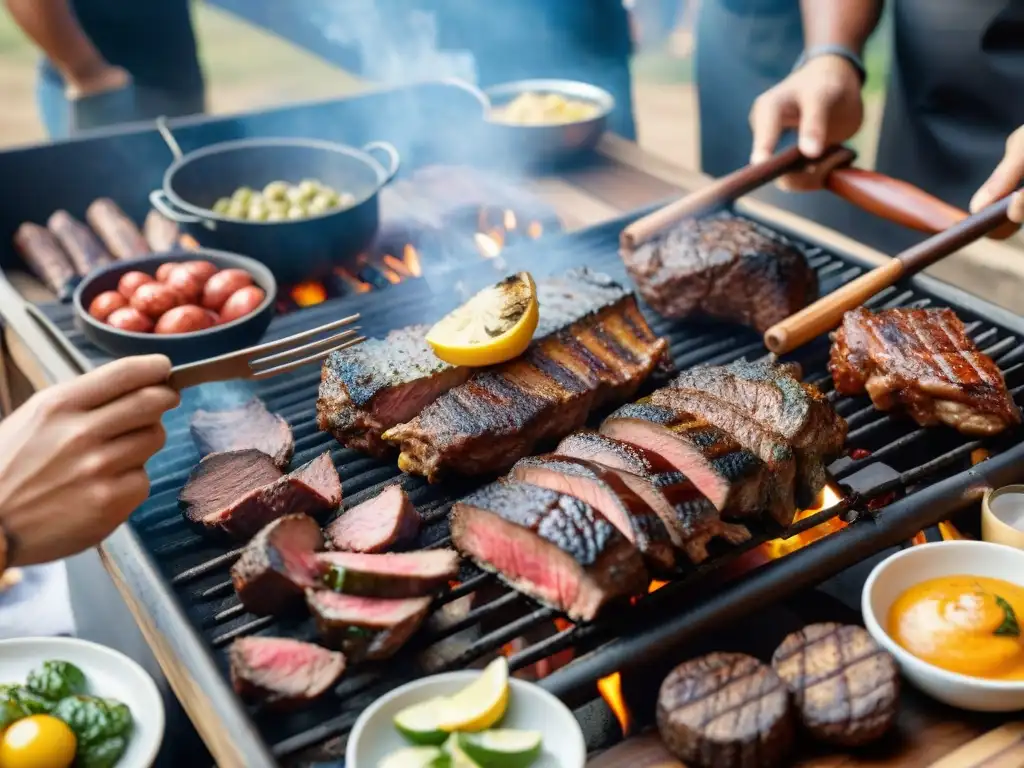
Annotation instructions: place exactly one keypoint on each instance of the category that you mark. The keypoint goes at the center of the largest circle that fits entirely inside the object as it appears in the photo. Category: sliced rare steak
(405, 574)
(726, 710)
(366, 627)
(845, 686)
(553, 547)
(282, 673)
(312, 488)
(606, 492)
(387, 520)
(278, 565)
(221, 479)
(251, 426)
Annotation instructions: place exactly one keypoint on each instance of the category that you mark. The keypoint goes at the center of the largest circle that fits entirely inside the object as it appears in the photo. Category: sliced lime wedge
(417, 757)
(502, 747)
(459, 758)
(419, 723)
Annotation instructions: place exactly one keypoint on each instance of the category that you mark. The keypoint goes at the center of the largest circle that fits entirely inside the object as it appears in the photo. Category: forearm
(848, 23)
(51, 24)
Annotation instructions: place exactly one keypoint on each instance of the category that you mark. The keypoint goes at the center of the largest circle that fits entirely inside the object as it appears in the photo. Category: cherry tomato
(105, 303)
(182, 280)
(153, 299)
(130, 282)
(39, 741)
(220, 287)
(184, 319)
(130, 319)
(165, 269)
(241, 303)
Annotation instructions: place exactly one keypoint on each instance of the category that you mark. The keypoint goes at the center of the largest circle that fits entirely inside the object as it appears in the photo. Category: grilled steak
(278, 565)
(556, 548)
(606, 492)
(376, 525)
(409, 574)
(251, 426)
(602, 354)
(921, 360)
(312, 488)
(282, 673)
(366, 627)
(797, 412)
(221, 479)
(725, 267)
(845, 686)
(379, 383)
(725, 710)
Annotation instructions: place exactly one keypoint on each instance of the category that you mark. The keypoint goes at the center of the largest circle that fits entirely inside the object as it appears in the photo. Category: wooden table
(624, 178)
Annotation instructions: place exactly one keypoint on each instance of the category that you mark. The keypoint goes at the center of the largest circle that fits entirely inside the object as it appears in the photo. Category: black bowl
(179, 347)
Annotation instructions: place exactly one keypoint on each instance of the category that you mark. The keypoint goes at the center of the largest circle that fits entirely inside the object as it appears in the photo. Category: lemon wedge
(494, 326)
(480, 704)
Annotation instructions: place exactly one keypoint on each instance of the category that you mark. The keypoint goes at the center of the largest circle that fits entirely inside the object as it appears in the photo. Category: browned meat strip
(221, 479)
(503, 413)
(366, 627)
(78, 242)
(282, 673)
(251, 426)
(119, 233)
(921, 360)
(388, 519)
(408, 574)
(554, 547)
(45, 257)
(278, 565)
(606, 492)
(725, 267)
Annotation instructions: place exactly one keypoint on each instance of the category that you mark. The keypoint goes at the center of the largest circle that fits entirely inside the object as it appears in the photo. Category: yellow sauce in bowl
(965, 624)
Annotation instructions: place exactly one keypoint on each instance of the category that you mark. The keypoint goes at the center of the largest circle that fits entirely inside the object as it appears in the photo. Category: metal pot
(293, 250)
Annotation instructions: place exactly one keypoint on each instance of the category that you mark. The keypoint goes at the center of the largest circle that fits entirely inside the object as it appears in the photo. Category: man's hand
(94, 81)
(71, 458)
(821, 100)
(1007, 176)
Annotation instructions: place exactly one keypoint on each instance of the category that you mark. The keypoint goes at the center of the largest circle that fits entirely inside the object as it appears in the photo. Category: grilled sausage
(116, 230)
(79, 243)
(241, 303)
(131, 281)
(160, 232)
(44, 256)
(221, 286)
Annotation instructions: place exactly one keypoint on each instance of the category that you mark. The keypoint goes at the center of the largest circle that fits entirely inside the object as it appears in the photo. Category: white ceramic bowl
(894, 575)
(530, 708)
(109, 674)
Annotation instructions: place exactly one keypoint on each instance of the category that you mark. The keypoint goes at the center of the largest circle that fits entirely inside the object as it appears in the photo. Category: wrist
(84, 70)
(836, 53)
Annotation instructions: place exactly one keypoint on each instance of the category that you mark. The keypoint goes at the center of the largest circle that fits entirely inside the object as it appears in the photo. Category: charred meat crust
(387, 520)
(251, 426)
(282, 673)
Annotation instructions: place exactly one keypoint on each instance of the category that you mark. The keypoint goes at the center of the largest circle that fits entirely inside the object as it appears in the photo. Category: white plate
(530, 708)
(108, 674)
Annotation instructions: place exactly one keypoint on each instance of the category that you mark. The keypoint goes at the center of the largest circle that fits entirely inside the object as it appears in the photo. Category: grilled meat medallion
(282, 673)
(398, 575)
(921, 360)
(251, 426)
(553, 547)
(725, 267)
(365, 627)
(388, 519)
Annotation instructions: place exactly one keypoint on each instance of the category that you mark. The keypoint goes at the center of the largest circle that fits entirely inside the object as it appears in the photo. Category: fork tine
(305, 349)
(266, 373)
(290, 341)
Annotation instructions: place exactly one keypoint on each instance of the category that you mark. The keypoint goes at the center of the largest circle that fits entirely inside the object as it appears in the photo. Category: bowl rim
(250, 265)
(359, 727)
(905, 657)
(595, 94)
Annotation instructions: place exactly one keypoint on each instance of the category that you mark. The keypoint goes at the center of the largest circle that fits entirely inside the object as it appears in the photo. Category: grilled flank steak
(387, 520)
(365, 627)
(282, 673)
(236, 429)
(501, 414)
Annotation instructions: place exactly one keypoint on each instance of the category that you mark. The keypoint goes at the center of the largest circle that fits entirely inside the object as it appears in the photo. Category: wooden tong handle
(827, 312)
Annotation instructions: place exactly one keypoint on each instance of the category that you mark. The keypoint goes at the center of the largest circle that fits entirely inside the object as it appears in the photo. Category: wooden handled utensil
(826, 313)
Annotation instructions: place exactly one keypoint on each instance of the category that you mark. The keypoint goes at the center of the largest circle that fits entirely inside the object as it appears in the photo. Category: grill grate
(196, 569)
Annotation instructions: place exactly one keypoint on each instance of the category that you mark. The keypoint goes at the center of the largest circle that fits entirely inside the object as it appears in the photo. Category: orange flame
(949, 532)
(611, 691)
(510, 220)
(188, 242)
(919, 538)
(352, 281)
(655, 585)
(390, 275)
(535, 229)
(411, 257)
(309, 293)
(489, 247)
(396, 265)
(777, 548)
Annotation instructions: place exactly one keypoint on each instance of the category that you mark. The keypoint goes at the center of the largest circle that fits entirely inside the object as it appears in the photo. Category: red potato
(187, 318)
(185, 283)
(153, 299)
(203, 270)
(241, 303)
(222, 285)
(103, 305)
(130, 319)
(131, 281)
(165, 269)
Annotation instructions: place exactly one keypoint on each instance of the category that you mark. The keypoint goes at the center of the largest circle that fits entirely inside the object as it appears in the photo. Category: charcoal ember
(846, 687)
(282, 673)
(278, 565)
(726, 710)
(387, 520)
(235, 429)
(407, 574)
(365, 627)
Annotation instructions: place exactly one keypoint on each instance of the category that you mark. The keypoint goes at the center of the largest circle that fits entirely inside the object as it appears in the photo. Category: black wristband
(833, 50)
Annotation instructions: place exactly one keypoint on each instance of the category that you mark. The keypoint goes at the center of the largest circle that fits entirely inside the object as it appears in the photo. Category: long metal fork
(270, 359)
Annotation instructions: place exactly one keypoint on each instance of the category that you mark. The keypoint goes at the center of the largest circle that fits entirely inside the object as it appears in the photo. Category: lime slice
(419, 723)
(502, 748)
(459, 758)
(417, 757)
(479, 705)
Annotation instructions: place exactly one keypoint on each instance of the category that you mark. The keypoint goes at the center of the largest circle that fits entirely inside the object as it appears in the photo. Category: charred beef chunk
(725, 710)
(312, 488)
(725, 267)
(366, 627)
(251, 426)
(922, 361)
(406, 574)
(379, 383)
(603, 490)
(278, 565)
(845, 686)
(282, 673)
(593, 348)
(221, 479)
(388, 519)
(553, 547)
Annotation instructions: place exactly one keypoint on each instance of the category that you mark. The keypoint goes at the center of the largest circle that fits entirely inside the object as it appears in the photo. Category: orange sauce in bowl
(965, 624)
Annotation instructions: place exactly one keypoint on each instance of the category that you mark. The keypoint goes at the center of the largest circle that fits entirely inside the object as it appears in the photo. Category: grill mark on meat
(555, 371)
(610, 342)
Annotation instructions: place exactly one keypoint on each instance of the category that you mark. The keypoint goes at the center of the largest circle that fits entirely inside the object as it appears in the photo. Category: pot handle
(393, 158)
(158, 199)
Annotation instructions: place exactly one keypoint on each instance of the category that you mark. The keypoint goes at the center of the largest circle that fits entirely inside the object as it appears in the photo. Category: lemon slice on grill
(502, 748)
(494, 326)
(480, 704)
